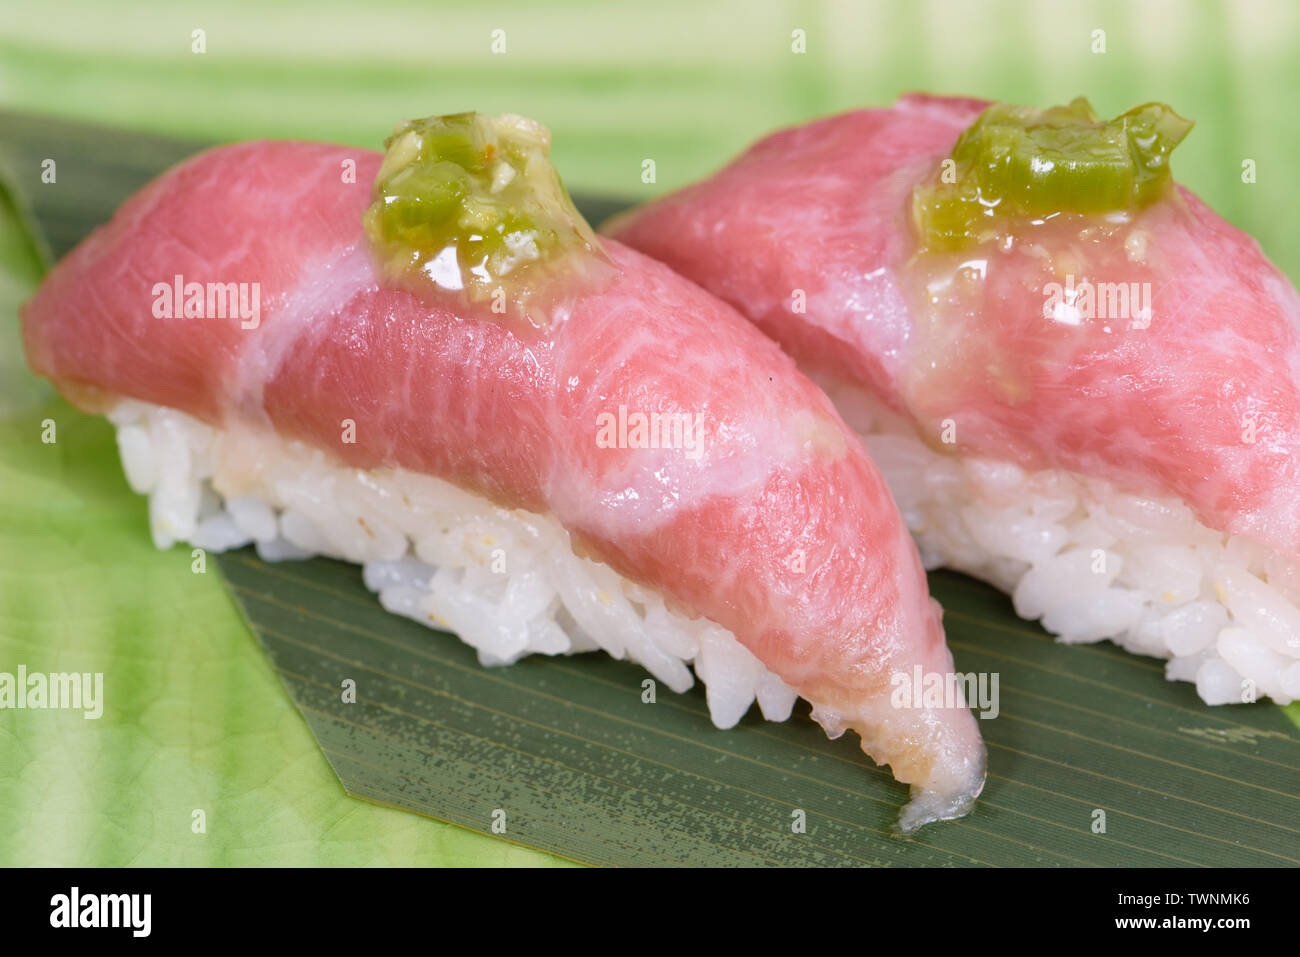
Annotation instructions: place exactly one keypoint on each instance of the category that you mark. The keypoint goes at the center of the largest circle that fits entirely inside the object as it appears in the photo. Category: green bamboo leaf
(564, 752)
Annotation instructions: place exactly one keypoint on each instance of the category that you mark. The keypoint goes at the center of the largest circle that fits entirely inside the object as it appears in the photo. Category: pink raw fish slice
(510, 414)
(1159, 409)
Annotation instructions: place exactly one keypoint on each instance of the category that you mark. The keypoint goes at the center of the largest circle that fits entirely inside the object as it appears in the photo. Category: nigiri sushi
(425, 362)
(1080, 382)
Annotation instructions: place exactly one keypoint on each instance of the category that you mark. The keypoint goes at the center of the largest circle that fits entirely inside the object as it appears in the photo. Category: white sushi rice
(1093, 563)
(507, 582)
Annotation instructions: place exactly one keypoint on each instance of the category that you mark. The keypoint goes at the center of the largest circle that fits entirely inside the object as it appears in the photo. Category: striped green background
(196, 717)
(685, 83)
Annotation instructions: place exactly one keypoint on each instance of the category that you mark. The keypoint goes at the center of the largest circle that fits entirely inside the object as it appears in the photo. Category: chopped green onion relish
(471, 204)
(1017, 162)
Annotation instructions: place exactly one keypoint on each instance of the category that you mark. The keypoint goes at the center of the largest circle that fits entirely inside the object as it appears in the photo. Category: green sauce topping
(471, 204)
(1017, 162)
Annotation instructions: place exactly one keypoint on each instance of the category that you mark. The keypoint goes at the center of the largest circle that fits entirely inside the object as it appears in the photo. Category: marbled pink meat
(1200, 400)
(781, 529)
